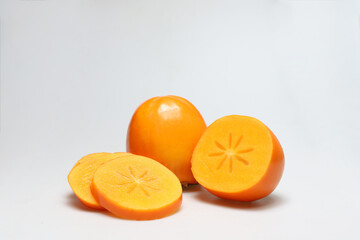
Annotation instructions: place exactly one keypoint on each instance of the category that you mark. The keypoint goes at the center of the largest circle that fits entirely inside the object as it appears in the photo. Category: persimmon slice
(137, 187)
(81, 176)
(238, 158)
(91, 156)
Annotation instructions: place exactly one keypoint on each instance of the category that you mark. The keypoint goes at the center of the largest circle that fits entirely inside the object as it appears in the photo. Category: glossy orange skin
(167, 129)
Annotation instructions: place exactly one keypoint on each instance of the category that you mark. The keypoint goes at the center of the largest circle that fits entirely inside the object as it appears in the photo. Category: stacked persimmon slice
(128, 185)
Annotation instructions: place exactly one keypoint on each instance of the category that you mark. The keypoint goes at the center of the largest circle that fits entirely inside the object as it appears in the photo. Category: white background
(73, 72)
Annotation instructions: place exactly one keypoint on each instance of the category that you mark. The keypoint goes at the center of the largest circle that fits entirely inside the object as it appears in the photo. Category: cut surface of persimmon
(81, 176)
(91, 156)
(238, 158)
(97, 155)
(167, 129)
(137, 187)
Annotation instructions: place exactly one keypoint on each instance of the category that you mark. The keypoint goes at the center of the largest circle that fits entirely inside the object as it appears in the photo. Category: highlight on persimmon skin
(238, 158)
(167, 129)
(80, 177)
(136, 187)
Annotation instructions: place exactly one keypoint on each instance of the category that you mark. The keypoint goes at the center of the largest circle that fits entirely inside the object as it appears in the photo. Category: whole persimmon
(167, 129)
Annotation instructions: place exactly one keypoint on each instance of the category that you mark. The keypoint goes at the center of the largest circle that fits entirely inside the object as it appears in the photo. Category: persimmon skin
(167, 129)
(266, 183)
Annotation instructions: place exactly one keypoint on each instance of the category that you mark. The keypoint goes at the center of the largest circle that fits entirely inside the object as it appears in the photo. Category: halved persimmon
(238, 158)
(137, 187)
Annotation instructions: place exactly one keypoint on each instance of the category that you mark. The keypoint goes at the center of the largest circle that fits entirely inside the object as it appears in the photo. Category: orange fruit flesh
(91, 156)
(234, 155)
(81, 176)
(137, 187)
